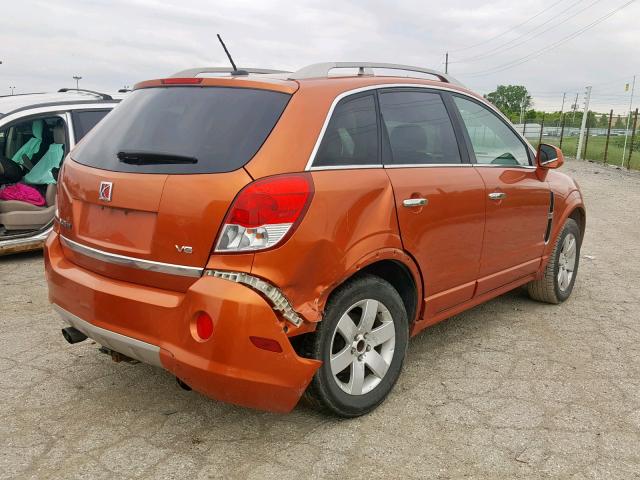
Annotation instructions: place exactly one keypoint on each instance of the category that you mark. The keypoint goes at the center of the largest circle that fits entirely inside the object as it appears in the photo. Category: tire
(554, 287)
(356, 382)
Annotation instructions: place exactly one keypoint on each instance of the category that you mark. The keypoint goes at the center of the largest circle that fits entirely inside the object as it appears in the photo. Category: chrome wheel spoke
(376, 363)
(347, 328)
(384, 332)
(341, 360)
(357, 378)
(369, 312)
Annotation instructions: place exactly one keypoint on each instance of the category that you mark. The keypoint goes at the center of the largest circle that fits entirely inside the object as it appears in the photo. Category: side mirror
(549, 156)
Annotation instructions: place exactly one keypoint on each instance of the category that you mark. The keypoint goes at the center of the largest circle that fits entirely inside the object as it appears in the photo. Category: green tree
(603, 122)
(619, 123)
(510, 99)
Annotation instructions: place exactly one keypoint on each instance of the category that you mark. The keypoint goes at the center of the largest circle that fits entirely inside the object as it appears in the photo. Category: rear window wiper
(150, 158)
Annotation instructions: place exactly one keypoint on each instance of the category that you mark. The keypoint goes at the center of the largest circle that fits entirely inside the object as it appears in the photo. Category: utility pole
(12, 89)
(587, 98)
(446, 62)
(626, 132)
(77, 78)
(564, 95)
(575, 107)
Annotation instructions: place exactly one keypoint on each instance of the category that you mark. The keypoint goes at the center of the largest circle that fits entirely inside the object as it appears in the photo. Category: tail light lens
(265, 213)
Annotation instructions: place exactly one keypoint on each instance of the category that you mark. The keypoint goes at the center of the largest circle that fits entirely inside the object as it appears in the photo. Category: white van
(35, 127)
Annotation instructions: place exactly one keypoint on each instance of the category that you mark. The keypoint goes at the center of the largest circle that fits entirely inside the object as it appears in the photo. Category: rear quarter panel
(351, 222)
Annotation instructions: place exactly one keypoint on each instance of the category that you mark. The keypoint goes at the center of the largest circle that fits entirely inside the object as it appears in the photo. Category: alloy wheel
(567, 262)
(362, 347)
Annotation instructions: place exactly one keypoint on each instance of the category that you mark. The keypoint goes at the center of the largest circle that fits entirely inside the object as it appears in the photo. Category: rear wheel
(362, 341)
(556, 284)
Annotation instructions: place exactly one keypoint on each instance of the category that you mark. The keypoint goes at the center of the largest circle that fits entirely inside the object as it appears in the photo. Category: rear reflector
(204, 326)
(266, 344)
(265, 212)
(181, 81)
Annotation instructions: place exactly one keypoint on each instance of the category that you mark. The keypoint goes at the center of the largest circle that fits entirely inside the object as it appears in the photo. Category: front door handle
(497, 195)
(414, 202)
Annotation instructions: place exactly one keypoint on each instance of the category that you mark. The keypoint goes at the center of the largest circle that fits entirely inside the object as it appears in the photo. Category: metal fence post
(586, 141)
(606, 145)
(564, 118)
(541, 129)
(633, 136)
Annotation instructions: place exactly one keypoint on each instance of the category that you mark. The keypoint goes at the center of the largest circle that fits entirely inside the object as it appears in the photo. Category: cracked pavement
(510, 389)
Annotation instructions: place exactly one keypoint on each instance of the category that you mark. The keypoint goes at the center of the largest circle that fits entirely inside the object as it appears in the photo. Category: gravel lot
(509, 389)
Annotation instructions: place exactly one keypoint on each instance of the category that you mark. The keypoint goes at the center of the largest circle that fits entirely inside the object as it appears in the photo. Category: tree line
(515, 102)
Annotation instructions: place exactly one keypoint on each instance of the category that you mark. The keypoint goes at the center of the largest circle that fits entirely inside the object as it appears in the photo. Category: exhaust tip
(73, 335)
(183, 385)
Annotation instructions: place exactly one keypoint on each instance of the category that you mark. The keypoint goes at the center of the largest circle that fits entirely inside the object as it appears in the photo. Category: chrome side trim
(131, 347)
(339, 97)
(131, 262)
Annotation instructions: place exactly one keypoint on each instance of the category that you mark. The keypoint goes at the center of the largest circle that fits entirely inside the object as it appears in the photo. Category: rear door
(439, 195)
(155, 178)
(517, 201)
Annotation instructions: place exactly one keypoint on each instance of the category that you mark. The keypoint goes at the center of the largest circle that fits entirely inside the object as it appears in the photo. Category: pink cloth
(24, 193)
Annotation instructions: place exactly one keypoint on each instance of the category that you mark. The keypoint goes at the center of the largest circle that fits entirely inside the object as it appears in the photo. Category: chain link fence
(606, 138)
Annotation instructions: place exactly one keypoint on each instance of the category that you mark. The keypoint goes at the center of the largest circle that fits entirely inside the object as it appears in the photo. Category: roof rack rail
(194, 72)
(365, 68)
(104, 96)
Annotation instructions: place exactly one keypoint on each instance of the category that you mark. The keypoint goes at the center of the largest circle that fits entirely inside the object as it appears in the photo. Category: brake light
(181, 81)
(265, 212)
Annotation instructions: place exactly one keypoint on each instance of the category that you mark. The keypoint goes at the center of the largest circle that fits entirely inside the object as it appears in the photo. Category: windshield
(219, 129)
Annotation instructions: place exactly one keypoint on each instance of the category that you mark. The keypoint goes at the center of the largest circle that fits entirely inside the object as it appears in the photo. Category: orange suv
(267, 235)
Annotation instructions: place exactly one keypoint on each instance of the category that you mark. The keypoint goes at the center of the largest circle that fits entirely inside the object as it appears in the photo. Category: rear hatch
(154, 180)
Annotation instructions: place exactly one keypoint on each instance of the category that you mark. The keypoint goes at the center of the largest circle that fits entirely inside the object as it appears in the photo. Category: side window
(351, 137)
(419, 127)
(493, 141)
(85, 120)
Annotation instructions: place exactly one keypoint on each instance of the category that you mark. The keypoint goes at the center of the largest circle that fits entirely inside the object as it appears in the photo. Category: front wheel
(556, 284)
(362, 341)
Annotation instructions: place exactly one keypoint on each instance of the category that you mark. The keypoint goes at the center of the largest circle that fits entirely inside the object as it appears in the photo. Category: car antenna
(235, 69)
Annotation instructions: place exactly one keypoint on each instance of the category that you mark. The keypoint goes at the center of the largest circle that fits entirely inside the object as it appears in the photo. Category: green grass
(595, 149)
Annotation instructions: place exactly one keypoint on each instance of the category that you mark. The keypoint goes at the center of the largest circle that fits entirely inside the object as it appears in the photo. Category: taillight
(265, 212)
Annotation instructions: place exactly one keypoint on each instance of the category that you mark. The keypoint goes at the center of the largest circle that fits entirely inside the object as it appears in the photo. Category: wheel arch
(397, 268)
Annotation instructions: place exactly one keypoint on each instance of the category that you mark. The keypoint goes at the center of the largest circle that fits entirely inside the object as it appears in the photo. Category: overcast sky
(113, 43)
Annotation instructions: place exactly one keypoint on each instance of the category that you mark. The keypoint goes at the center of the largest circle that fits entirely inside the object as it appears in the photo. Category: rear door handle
(414, 202)
(497, 195)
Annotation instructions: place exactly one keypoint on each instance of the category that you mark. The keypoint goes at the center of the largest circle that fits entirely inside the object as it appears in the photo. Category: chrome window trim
(132, 262)
(497, 165)
(428, 165)
(316, 147)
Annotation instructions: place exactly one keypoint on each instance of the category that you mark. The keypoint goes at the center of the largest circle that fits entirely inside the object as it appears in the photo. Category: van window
(85, 120)
(419, 128)
(351, 137)
(183, 130)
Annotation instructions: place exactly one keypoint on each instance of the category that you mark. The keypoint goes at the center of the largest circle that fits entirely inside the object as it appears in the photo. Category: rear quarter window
(85, 120)
(221, 128)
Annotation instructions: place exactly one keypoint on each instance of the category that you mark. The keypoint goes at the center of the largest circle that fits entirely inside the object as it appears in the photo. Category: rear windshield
(176, 130)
